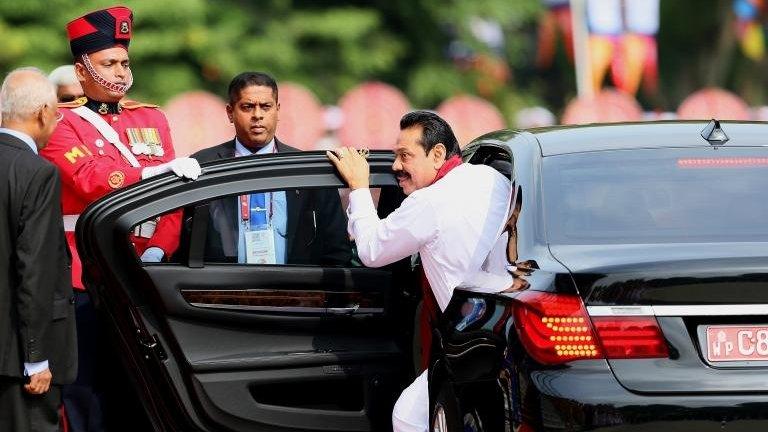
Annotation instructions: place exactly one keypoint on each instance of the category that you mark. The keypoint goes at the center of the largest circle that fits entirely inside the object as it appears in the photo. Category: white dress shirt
(495, 274)
(453, 224)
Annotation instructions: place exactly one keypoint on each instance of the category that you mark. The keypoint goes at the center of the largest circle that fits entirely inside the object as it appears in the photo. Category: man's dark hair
(247, 79)
(434, 130)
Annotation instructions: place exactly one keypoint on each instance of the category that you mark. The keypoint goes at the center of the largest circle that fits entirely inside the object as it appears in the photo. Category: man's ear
(80, 71)
(229, 113)
(438, 154)
(40, 116)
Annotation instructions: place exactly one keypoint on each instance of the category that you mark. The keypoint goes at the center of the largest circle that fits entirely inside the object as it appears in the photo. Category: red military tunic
(90, 167)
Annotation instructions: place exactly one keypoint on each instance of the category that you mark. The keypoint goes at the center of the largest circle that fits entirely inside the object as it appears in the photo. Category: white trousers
(411, 413)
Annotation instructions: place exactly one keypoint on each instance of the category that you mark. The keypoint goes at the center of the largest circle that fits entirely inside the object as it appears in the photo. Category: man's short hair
(63, 76)
(434, 130)
(19, 101)
(247, 79)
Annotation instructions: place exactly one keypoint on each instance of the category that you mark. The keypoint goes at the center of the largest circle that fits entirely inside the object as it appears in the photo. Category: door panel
(242, 349)
(247, 347)
(278, 292)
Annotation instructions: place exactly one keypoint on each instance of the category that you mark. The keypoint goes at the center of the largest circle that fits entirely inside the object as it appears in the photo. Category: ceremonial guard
(104, 142)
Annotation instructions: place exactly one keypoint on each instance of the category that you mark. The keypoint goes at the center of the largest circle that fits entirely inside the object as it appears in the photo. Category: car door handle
(343, 310)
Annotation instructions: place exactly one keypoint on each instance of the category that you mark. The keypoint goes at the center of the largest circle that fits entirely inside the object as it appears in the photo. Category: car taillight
(555, 329)
(630, 337)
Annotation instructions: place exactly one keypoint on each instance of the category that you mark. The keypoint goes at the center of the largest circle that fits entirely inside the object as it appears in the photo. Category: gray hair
(24, 91)
(64, 75)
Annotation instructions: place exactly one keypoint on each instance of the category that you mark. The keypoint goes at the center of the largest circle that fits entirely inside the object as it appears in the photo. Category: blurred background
(348, 70)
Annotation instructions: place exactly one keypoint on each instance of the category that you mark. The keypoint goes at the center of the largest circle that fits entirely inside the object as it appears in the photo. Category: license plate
(737, 343)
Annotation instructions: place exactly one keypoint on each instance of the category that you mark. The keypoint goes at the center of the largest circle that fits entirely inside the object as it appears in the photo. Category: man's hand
(39, 383)
(352, 166)
(518, 284)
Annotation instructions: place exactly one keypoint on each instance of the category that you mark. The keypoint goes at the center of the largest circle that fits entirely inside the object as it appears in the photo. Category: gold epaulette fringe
(131, 104)
(75, 103)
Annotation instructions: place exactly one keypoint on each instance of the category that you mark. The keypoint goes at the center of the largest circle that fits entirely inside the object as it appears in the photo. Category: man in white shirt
(453, 216)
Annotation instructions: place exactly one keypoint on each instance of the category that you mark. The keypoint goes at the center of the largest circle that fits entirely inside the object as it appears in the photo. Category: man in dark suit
(308, 226)
(37, 329)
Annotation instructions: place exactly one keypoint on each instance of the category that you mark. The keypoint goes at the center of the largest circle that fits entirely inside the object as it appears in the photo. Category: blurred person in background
(37, 326)
(102, 143)
(68, 87)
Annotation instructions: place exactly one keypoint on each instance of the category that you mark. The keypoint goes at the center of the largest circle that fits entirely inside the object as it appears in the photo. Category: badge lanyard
(245, 205)
(245, 210)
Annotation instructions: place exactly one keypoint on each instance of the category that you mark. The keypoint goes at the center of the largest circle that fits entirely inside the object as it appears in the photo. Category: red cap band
(79, 28)
(100, 30)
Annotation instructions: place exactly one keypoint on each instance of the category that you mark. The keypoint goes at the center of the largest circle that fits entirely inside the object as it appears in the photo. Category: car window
(279, 227)
(657, 195)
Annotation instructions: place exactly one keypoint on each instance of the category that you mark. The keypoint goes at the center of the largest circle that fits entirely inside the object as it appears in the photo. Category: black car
(642, 247)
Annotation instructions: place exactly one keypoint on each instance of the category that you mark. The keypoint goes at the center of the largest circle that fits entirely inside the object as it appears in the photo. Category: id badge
(260, 246)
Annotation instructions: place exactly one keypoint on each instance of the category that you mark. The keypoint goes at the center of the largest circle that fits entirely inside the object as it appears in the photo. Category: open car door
(219, 345)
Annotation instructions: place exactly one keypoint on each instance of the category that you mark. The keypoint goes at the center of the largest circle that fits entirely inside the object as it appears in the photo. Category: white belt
(145, 229)
(69, 222)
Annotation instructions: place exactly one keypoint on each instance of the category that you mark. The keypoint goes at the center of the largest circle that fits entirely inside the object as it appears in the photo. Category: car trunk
(710, 301)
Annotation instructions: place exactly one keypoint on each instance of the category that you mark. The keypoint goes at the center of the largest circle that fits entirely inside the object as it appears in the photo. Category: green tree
(329, 46)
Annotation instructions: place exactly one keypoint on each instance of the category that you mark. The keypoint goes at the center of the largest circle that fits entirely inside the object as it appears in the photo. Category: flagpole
(582, 62)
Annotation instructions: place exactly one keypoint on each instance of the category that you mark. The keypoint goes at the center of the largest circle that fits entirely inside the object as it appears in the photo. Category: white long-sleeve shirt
(453, 224)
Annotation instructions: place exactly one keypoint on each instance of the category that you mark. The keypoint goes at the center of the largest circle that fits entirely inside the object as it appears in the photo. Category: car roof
(665, 134)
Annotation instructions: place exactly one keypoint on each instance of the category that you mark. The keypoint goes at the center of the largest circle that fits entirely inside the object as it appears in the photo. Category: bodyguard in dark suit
(37, 328)
(310, 225)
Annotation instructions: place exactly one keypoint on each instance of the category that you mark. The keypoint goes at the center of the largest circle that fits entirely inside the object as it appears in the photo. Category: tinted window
(306, 226)
(652, 195)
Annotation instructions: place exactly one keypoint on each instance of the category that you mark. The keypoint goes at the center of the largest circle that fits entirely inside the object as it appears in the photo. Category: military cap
(100, 30)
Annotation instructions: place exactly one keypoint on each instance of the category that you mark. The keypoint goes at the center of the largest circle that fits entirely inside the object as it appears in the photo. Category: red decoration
(372, 113)
(301, 117)
(608, 106)
(470, 117)
(630, 58)
(198, 120)
(715, 103)
(556, 20)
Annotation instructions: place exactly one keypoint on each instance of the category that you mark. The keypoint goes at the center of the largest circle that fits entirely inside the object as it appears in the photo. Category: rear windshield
(657, 196)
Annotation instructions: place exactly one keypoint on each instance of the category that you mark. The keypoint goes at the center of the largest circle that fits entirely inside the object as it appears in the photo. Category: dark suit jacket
(316, 231)
(36, 299)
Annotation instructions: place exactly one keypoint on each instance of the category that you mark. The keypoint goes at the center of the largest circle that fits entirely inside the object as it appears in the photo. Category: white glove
(152, 255)
(182, 167)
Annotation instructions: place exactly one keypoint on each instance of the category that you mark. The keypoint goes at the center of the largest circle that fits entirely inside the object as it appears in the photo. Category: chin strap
(118, 88)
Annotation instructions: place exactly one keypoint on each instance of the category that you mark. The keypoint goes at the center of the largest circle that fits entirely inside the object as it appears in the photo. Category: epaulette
(75, 103)
(131, 104)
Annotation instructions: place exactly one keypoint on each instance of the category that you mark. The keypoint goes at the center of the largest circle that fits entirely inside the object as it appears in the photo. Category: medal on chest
(145, 141)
